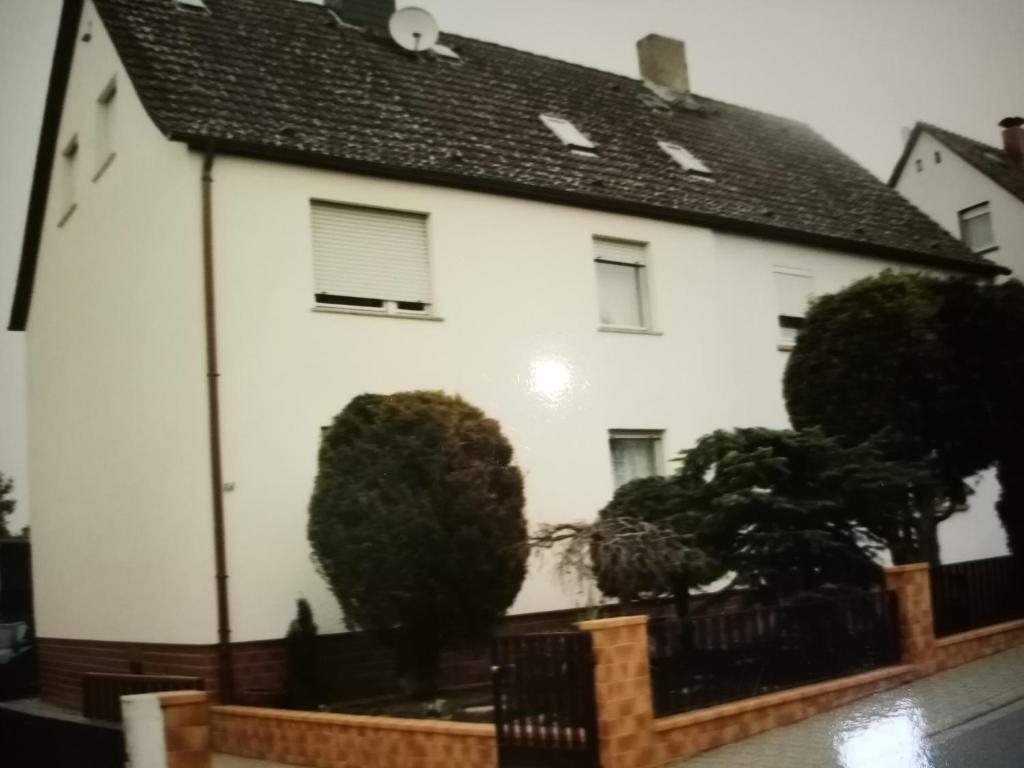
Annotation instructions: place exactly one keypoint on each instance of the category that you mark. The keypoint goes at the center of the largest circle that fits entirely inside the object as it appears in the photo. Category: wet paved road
(968, 717)
(993, 741)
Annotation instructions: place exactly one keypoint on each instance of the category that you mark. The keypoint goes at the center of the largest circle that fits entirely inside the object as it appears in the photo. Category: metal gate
(544, 708)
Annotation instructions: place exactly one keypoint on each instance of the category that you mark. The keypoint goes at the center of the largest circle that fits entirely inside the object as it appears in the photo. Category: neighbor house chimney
(363, 13)
(1013, 139)
(663, 63)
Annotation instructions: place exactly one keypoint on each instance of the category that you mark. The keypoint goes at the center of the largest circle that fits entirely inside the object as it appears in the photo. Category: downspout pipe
(225, 668)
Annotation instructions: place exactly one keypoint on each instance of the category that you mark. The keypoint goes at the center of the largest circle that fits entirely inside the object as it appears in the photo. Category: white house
(246, 213)
(974, 190)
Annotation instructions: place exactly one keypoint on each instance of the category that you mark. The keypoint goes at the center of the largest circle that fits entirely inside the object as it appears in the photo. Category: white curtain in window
(632, 458)
(370, 253)
(619, 292)
(977, 231)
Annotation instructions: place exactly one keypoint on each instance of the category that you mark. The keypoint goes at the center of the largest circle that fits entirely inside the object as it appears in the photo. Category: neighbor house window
(621, 267)
(792, 295)
(370, 259)
(635, 454)
(68, 179)
(105, 127)
(976, 228)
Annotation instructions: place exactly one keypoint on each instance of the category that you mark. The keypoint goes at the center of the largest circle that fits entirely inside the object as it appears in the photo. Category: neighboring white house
(245, 214)
(974, 190)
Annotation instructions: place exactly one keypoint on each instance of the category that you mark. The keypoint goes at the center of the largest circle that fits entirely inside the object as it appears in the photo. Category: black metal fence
(712, 659)
(545, 713)
(101, 693)
(976, 594)
(36, 740)
(15, 579)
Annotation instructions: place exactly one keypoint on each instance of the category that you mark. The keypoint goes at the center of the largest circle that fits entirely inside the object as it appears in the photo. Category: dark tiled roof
(277, 74)
(991, 161)
(281, 79)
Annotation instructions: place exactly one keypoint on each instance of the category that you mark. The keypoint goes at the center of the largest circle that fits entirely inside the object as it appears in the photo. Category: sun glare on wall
(551, 379)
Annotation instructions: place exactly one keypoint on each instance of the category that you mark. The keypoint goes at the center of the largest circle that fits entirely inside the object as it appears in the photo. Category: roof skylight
(568, 133)
(197, 4)
(445, 51)
(686, 159)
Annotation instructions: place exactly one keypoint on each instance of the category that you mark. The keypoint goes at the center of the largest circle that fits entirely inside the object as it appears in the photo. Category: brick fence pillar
(186, 728)
(625, 711)
(913, 587)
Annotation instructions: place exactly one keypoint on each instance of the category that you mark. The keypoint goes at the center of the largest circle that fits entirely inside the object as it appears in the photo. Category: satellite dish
(414, 29)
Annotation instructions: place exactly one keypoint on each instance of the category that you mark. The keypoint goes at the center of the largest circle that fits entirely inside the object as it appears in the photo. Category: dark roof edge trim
(908, 145)
(593, 202)
(52, 113)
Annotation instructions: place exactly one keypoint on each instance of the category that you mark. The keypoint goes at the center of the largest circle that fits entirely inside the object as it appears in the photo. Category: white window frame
(655, 436)
(686, 160)
(105, 127)
(640, 272)
(973, 212)
(569, 134)
(68, 179)
(785, 320)
(388, 307)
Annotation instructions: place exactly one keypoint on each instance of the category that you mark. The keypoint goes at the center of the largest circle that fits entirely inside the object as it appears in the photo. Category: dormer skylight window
(686, 159)
(445, 52)
(568, 134)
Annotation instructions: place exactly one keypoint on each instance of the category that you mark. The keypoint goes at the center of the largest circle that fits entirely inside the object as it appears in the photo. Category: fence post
(622, 683)
(913, 587)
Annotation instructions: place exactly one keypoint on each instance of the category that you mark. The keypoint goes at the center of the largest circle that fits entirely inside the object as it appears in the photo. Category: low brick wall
(954, 650)
(681, 736)
(350, 741)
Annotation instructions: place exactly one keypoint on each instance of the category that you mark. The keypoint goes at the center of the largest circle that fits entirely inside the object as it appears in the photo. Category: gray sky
(856, 70)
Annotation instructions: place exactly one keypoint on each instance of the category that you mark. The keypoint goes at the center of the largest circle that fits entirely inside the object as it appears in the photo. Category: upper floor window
(792, 295)
(105, 127)
(976, 228)
(621, 283)
(68, 179)
(635, 454)
(370, 258)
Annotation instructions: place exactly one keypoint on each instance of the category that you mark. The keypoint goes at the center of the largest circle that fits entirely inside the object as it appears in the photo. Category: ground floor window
(635, 454)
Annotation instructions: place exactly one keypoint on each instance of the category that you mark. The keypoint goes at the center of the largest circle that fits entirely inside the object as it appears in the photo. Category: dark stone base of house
(351, 665)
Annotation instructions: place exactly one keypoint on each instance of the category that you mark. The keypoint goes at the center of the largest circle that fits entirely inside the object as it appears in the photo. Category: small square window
(105, 127)
(68, 180)
(919, 165)
(621, 283)
(976, 228)
(635, 454)
(938, 157)
(792, 295)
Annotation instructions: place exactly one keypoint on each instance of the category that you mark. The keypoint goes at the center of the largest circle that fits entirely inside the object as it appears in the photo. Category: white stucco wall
(514, 283)
(943, 189)
(121, 524)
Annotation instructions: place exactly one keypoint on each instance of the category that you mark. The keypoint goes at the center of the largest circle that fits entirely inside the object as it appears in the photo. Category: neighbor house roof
(281, 79)
(994, 162)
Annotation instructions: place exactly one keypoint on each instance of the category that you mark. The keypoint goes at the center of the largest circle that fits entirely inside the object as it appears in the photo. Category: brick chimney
(1013, 139)
(663, 63)
(363, 13)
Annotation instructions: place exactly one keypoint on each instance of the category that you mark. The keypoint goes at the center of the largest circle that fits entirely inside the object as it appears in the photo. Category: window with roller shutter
(370, 258)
